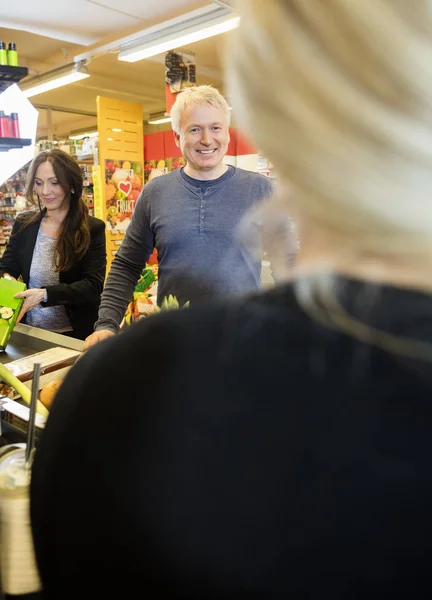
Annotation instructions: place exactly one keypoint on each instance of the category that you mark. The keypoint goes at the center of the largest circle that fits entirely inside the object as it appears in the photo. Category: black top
(242, 450)
(80, 287)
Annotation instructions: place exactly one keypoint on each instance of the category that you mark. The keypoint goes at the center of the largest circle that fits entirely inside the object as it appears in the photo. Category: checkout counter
(18, 573)
(24, 342)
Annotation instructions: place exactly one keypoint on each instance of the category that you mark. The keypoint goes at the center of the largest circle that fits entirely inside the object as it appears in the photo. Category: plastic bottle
(3, 54)
(14, 125)
(4, 125)
(12, 55)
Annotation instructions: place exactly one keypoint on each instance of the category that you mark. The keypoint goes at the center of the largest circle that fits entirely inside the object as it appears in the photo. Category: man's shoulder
(162, 182)
(253, 175)
(252, 178)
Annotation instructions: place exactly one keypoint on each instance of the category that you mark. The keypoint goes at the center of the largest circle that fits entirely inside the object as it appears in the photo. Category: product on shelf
(12, 55)
(9, 125)
(88, 193)
(144, 303)
(4, 125)
(12, 202)
(144, 300)
(3, 54)
(14, 125)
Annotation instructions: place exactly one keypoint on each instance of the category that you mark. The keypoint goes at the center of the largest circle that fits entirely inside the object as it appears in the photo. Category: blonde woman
(279, 446)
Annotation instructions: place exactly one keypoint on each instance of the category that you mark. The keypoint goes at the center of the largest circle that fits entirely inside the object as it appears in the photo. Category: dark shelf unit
(8, 143)
(10, 75)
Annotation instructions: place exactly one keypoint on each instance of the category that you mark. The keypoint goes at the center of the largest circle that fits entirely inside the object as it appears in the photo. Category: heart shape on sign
(125, 187)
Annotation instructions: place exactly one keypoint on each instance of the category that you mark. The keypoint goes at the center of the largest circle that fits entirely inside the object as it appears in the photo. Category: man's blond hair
(200, 94)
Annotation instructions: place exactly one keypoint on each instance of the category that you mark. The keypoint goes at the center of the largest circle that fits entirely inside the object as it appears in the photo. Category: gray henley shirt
(194, 226)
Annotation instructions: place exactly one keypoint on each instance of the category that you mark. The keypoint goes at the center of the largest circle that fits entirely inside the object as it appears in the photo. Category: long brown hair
(74, 238)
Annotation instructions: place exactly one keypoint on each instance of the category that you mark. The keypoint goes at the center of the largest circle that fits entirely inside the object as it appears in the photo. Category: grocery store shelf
(10, 75)
(9, 143)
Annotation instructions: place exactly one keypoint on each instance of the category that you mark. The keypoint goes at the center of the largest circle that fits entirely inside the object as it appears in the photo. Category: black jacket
(80, 287)
(266, 456)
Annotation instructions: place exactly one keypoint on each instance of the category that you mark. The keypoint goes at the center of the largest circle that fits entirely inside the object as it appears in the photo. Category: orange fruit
(49, 391)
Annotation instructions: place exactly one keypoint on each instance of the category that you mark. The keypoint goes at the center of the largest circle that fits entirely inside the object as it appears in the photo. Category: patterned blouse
(43, 274)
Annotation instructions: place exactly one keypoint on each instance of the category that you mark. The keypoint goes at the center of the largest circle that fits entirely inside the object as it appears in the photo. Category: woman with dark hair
(58, 250)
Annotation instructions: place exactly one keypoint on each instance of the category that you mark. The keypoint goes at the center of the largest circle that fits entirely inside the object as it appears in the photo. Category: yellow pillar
(120, 176)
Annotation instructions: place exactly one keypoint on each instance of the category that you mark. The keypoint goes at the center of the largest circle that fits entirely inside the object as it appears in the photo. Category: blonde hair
(338, 95)
(198, 95)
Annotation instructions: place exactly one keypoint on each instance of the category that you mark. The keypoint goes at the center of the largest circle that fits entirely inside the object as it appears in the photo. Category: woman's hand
(32, 298)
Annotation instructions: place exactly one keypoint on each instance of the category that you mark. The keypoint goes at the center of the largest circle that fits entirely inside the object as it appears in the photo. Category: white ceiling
(85, 21)
(51, 34)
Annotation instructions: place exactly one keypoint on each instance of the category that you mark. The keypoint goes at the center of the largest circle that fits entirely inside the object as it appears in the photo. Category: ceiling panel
(86, 22)
(63, 123)
(149, 10)
(79, 21)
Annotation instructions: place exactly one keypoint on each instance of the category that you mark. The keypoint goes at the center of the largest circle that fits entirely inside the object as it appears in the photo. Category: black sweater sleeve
(9, 262)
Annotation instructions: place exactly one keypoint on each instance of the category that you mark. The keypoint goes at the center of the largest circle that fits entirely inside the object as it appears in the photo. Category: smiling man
(202, 133)
(191, 216)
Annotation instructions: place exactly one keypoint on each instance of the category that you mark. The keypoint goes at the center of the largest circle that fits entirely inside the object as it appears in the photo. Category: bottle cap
(2, 45)
(14, 115)
(12, 46)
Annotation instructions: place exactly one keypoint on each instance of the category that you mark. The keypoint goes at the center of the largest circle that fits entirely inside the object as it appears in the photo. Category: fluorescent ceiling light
(159, 118)
(187, 29)
(160, 121)
(54, 79)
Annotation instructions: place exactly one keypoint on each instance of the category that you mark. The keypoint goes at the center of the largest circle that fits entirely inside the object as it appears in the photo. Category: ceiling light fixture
(192, 27)
(159, 118)
(56, 78)
(160, 121)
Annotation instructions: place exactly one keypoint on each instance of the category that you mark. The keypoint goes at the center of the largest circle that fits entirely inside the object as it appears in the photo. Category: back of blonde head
(200, 94)
(338, 94)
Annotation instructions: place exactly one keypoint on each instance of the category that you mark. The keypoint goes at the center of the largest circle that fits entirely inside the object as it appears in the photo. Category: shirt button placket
(201, 224)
